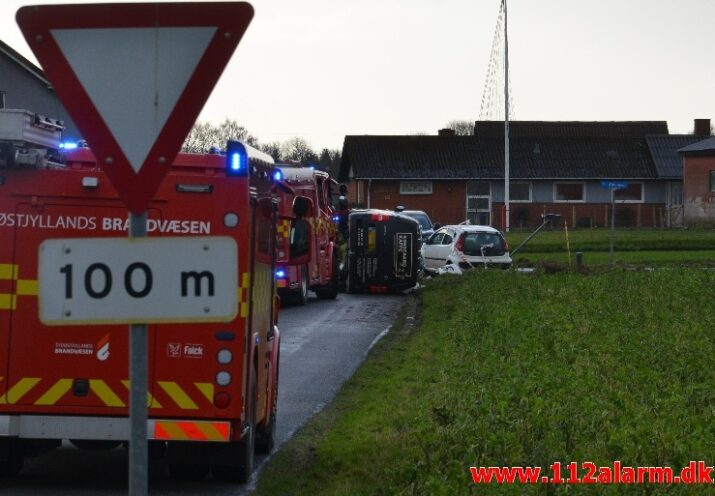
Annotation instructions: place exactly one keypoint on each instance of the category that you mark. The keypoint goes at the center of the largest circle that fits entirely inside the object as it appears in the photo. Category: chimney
(702, 127)
(452, 132)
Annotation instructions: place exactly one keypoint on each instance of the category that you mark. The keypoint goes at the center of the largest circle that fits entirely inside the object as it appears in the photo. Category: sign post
(613, 186)
(138, 388)
(134, 77)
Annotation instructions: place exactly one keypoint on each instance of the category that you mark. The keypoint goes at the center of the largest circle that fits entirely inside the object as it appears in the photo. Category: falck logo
(103, 348)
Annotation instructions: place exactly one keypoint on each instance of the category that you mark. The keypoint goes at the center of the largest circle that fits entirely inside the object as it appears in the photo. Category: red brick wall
(446, 204)
(581, 214)
(698, 201)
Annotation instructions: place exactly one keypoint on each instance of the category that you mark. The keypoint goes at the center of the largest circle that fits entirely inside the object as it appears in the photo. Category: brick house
(699, 183)
(554, 167)
(23, 85)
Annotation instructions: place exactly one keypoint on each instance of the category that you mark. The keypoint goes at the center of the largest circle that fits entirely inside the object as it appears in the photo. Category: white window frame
(615, 192)
(416, 184)
(583, 188)
(528, 183)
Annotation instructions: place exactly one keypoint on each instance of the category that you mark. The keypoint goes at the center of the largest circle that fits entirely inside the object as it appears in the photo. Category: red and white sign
(134, 77)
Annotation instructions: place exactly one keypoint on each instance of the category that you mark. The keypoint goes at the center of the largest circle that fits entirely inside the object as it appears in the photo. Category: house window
(568, 192)
(632, 194)
(415, 187)
(519, 192)
(712, 181)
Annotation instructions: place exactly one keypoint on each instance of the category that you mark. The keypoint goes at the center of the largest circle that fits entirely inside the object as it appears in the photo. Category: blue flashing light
(336, 218)
(280, 274)
(278, 175)
(312, 167)
(68, 145)
(236, 159)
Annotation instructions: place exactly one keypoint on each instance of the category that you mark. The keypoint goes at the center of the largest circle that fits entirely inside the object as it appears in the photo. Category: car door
(444, 249)
(430, 250)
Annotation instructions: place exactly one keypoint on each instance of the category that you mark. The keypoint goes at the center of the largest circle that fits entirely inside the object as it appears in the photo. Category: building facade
(23, 85)
(699, 183)
(555, 167)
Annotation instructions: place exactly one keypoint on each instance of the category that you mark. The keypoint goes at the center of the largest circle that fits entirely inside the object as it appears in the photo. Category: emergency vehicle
(307, 248)
(212, 387)
(384, 251)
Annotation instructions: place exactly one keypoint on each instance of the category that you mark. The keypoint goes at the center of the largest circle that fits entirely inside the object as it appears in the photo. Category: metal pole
(506, 123)
(138, 377)
(613, 225)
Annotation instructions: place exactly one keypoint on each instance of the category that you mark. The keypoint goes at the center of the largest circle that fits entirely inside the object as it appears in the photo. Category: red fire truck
(212, 387)
(307, 251)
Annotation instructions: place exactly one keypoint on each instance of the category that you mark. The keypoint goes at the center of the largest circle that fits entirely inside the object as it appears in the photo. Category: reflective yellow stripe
(151, 401)
(26, 287)
(173, 430)
(207, 389)
(178, 395)
(55, 392)
(8, 301)
(100, 388)
(8, 272)
(19, 390)
(209, 431)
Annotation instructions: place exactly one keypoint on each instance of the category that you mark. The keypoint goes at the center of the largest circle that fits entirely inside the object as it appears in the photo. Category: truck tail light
(224, 356)
(223, 378)
(458, 245)
(222, 400)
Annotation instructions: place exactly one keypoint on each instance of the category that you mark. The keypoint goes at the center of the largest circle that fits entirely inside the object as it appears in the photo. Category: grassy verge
(506, 369)
(589, 240)
(643, 257)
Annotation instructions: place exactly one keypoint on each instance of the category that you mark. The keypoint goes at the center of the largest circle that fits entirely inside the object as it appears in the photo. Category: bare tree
(298, 149)
(273, 149)
(204, 135)
(461, 128)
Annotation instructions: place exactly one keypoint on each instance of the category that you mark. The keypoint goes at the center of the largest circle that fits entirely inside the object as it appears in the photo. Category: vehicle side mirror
(302, 207)
(436, 226)
(300, 232)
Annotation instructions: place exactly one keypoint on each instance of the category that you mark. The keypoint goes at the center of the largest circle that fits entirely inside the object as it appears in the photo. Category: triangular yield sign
(134, 77)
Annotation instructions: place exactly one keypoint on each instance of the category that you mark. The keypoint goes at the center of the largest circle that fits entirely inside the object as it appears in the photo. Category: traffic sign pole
(613, 225)
(138, 378)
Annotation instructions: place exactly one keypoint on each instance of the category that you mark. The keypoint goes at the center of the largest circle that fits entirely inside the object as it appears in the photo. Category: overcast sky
(322, 69)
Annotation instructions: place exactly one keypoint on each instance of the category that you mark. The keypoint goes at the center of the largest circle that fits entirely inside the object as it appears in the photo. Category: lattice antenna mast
(492, 106)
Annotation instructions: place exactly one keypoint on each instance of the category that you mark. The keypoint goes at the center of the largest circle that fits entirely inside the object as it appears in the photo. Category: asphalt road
(322, 345)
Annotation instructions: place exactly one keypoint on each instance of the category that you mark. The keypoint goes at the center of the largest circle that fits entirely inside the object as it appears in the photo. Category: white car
(464, 246)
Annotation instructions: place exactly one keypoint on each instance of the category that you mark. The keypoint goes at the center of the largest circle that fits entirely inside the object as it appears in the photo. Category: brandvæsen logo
(103, 348)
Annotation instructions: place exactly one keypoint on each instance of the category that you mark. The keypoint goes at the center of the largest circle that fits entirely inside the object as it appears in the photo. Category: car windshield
(472, 243)
(421, 218)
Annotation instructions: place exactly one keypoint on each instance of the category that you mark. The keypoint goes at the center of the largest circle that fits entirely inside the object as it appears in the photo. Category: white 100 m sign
(138, 280)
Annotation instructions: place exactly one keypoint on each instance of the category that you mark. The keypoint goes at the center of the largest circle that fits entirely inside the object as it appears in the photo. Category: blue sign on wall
(614, 184)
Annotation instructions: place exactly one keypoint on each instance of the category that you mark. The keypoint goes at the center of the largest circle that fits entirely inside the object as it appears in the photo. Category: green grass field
(504, 369)
(640, 247)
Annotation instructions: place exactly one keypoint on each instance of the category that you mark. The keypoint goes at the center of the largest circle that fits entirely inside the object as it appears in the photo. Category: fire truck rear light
(230, 219)
(225, 336)
(194, 188)
(236, 159)
(224, 356)
(222, 400)
(378, 289)
(223, 378)
(90, 182)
